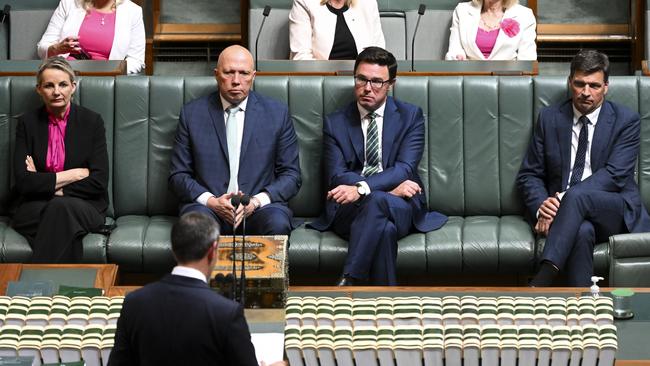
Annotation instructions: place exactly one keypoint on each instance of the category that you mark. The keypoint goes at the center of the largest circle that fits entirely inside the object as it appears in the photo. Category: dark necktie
(579, 163)
(372, 147)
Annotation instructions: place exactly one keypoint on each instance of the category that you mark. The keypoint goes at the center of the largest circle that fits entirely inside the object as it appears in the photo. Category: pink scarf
(56, 142)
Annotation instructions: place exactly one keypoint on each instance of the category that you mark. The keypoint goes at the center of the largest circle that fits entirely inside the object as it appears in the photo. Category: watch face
(361, 190)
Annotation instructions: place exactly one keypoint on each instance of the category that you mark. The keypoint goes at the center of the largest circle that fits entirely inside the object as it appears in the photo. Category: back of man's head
(378, 56)
(192, 236)
(590, 61)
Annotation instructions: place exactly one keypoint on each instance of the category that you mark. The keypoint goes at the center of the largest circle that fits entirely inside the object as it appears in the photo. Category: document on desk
(269, 347)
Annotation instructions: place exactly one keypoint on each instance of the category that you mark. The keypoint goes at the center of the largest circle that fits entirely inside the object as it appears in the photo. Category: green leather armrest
(629, 259)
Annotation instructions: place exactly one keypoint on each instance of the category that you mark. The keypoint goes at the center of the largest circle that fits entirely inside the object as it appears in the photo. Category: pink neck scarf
(56, 141)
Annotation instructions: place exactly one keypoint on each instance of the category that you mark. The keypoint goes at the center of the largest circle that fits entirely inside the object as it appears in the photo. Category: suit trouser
(584, 218)
(268, 220)
(372, 227)
(54, 228)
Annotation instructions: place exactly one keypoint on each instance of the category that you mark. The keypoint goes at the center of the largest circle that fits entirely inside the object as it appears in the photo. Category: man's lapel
(602, 134)
(215, 110)
(564, 127)
(391, 128)
(354, 131)
(252, 117)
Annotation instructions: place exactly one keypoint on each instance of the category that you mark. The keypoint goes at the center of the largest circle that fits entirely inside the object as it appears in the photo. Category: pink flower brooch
(510, 27)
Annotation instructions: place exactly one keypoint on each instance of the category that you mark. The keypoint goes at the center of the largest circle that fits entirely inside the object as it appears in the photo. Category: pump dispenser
(595, 290)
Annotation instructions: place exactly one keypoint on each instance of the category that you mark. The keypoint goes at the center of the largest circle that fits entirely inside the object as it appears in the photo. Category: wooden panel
(586, 29)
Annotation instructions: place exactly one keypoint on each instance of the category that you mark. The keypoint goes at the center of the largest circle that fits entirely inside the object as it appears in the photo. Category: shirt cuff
(365, 186)
(203, 198)
(264, 198)
(560, 195)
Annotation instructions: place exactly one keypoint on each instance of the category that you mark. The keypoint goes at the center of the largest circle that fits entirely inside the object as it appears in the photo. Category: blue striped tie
(579, 163)
(372, 147)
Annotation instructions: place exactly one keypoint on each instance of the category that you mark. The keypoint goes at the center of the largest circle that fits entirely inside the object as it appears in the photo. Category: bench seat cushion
(474, 244)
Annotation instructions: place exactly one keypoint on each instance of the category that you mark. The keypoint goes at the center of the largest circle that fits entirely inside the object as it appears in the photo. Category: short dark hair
(193, 235)
(590, 61)
(378, 56)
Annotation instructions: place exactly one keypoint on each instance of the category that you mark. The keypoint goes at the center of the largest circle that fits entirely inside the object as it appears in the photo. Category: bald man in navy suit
(232, 142)
(577, 178)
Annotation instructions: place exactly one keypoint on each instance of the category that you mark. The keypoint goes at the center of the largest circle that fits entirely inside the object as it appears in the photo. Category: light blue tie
(232, 137)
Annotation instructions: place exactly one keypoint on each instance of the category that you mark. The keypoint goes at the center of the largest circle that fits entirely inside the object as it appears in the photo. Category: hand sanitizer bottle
(595, 290)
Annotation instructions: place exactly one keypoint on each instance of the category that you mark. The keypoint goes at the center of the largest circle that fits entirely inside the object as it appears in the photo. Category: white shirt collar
(379, 111)
(226, 104)
(189, 272)
(593, 116)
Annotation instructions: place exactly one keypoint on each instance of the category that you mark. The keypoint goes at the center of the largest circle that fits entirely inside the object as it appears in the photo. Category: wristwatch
(361, 189)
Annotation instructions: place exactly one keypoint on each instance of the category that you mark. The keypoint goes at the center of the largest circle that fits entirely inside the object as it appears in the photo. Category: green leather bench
(477, 132)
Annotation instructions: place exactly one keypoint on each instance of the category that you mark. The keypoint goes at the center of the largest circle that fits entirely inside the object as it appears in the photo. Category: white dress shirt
(575, 134)
(241, 116)
(189, 272)
(365, 121)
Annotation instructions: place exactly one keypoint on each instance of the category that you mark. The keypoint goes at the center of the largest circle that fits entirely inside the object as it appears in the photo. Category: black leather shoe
(346, 281)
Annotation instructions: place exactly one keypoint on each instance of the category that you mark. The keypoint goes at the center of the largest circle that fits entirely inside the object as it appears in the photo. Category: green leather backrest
(478, 129)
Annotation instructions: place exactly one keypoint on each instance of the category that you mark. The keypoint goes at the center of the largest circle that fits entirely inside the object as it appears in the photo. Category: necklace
(102, 22)
(490, 26)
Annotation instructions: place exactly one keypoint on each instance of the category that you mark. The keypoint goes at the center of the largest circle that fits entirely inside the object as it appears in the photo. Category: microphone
(5, 13)
(421, 10)
(234, 201)
(265, 14)
(245, 200)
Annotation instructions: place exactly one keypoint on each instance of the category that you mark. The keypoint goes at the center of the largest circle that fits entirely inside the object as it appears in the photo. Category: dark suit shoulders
(267, 102)
(402, 106)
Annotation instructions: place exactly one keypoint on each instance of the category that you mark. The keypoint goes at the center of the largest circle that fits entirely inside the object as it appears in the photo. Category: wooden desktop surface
(104, 279)
(421, 67)
(81, 68)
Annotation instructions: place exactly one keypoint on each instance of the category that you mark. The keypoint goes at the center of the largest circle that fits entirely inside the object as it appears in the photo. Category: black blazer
(85, 147)
(181, 321)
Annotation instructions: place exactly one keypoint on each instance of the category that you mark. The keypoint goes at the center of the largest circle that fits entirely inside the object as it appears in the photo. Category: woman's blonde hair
(347, 2)
(506, 3)
(88, 4)
(57, 63)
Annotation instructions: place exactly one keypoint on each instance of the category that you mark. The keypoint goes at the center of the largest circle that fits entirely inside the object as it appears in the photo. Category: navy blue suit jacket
(614, 150)
(181, 321)
(402, 147)
(268, 160)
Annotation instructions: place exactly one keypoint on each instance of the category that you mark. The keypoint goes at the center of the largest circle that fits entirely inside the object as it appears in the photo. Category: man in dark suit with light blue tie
(232, 142)
(577, 178)
(372, 149)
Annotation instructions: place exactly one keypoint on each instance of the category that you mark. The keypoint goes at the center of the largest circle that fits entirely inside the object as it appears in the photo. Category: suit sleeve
(334, 159)
(455, 47)
(29, 183)
(620, 163)
(96, 183)
(532, 174)
(527, 50)
(135, 52)
(123, 353)
(181, 177)
(238, 340)
(300, 32)
(53, 32)
(376, 31)
(287, 164)
(408, 157)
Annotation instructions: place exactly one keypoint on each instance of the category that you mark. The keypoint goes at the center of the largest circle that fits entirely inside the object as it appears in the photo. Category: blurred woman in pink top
(97, 30)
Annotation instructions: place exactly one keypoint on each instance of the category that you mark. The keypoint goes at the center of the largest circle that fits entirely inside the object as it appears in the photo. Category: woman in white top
(492, 30)
(333, 29)
(96, 29)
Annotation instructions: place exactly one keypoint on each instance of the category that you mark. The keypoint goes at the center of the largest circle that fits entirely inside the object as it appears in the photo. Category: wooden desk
(105, 276)
(422, 67)
(632, 333)
(81, 68)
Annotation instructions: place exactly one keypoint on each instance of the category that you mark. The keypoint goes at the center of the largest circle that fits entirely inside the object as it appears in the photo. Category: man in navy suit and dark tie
(577, 178)
(235, 141)
(179, 320)
(372, 149)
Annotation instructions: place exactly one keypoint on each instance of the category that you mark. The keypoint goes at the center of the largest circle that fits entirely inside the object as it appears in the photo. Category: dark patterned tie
(579, 164)
(372, 147)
